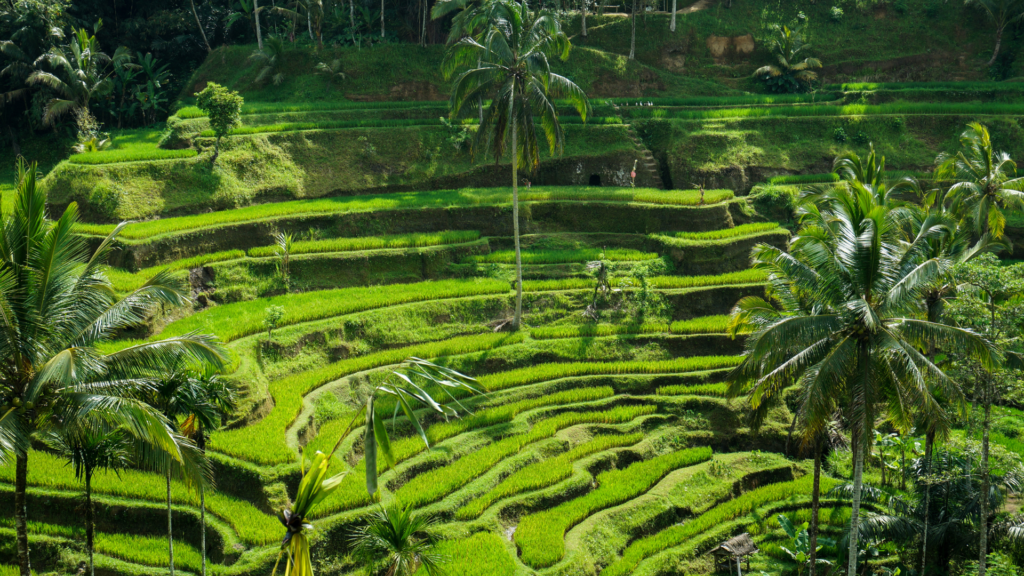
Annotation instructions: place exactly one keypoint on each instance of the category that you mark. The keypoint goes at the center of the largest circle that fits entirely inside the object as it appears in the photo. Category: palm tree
(514, 73)
(57, 306)
(952, 525)
(78, 74)
(861, 344)
(632, 32)
(192, 399)
(86, 451)
(985, 184)
(269, 56)
(398, 542)
(213, 398)
(1001, 13)
(789, 74)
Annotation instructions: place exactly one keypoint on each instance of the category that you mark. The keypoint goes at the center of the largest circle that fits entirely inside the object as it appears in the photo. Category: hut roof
(742, 545)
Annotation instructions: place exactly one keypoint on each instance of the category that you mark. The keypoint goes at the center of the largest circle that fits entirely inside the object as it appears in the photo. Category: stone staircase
(647, 160)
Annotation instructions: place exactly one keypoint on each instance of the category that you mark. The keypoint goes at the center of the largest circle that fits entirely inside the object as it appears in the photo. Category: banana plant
(801, 552)
(412, 386)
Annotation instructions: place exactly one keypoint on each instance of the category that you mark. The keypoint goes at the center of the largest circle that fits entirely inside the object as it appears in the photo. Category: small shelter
(736, 549)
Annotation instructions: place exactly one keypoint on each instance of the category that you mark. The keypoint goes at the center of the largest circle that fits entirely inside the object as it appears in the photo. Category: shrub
(544, 473)
(774, 201)
(839, 134)
(540, 536)
(861, 138)
(835, 14)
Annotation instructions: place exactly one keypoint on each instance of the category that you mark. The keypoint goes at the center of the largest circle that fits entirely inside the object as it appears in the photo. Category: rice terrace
(512, 287)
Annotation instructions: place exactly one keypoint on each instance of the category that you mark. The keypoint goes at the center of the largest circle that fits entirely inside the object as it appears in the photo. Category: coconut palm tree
(515, 75)
(56, 307)
(861, 346)
(985, 183)
(87, 451)
(396, 541)
(1002, 13)
(213, 398)
(76, 73)
(789, 73)
(193, 400)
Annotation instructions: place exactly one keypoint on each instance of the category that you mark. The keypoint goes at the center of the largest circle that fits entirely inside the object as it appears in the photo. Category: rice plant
(124, 281)
(713, 101)
(734, 232)
(679, 533)
(544, 473)
(481, 554)
(719, 389)
(148, 550)
(264, 442)
(597, 330)
(251, 525)
(717, 324)
(906, 108)
(239, 319)
(564, 256)
(959, 86)
(438, 483)
(748, 276)
(405, 201)
(554, 371)
(540, 536)
(130, 155)
(371, 243)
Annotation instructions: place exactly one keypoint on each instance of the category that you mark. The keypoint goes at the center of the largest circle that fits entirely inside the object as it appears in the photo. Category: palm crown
(789, 73)
(985, 182)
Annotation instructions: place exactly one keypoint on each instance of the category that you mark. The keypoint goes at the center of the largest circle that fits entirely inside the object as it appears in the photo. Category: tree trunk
(983, 525)
(202, 524)
(815, 504)
(309, 23)
(423, 31)
(21, 512)
(382, 20)
(995, 54)
(170, 533)
(518, 318)
(583, 12)
(90, 522)
(632, 33)
(205, 41)
(352, 20)
(216, 150)
(672, 28)
(929, 441)
(858, 477)
(256, 17)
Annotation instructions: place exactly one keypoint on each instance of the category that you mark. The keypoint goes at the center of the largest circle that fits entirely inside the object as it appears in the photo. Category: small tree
(283, 251)
(224, 107)
(272, 317)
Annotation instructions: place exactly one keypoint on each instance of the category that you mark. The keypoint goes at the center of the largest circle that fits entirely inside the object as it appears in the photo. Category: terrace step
(650, 163)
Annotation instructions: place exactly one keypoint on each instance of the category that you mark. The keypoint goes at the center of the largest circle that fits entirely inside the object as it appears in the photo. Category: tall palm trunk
(201, 444)
(352, 20)
(860, 443)
(929, 442)
(309, 24)
(21, 512)
(518, 318)
(90, 521)
(256, 17)
(672, 28)
(170, 533)
(815, 504)
(632, 33)
(382, 20)
(583, 11)
(205, 41)
(985, 481)
(995, 54)
(423, 30)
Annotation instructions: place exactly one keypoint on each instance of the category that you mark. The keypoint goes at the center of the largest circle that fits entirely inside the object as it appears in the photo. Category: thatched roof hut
(736, 550)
